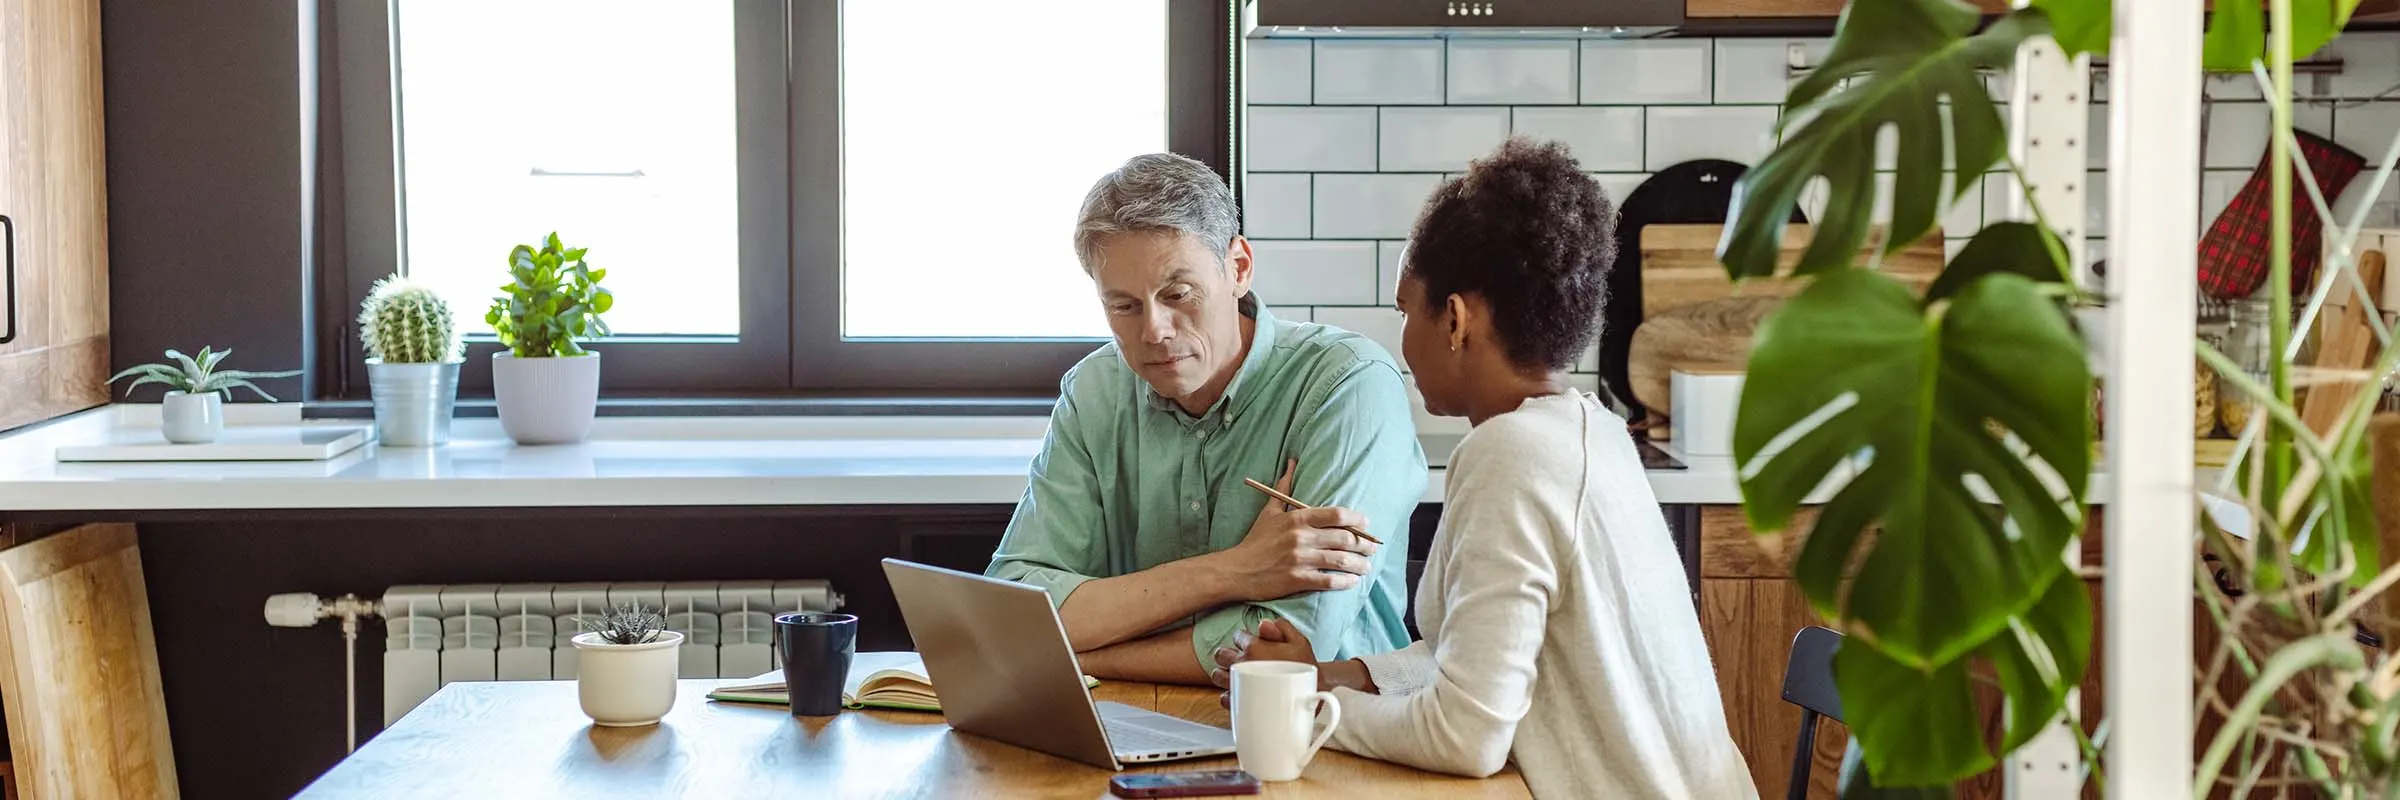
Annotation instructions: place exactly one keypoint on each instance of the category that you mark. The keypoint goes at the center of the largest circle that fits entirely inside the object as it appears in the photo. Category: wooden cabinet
(53, 192)
(1750, 608)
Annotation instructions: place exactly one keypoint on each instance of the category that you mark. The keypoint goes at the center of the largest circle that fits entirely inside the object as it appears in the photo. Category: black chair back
(1808, 683)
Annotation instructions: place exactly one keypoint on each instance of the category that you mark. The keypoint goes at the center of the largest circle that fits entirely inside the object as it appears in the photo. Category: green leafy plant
(402, 322)
(1963, 416)
(630, 623)
(198, 375)
(1962, 419)
(551, 304)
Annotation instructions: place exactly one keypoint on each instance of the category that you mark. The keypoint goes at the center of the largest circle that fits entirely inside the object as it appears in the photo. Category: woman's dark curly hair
(1532, 234)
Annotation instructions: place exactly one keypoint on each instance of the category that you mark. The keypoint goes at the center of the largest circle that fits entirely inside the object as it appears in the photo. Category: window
(1049, 119)
(789, 195)
(505, 138)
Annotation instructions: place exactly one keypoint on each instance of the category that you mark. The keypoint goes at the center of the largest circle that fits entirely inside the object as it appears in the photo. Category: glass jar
(2250, 346)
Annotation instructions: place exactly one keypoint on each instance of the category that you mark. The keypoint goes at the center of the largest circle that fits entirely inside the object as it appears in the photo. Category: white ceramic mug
(1275, 704)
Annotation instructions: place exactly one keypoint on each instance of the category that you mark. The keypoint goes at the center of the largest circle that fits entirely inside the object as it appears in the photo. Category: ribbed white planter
(623, 685)
(546, 400)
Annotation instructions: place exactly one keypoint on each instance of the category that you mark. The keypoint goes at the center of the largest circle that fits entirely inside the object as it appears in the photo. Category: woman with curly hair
(1559, 631)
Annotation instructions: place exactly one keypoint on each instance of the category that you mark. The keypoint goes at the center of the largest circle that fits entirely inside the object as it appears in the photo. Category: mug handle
(1331, 710)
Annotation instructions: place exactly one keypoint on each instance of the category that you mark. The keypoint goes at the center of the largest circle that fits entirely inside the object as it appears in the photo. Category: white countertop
(629, 461)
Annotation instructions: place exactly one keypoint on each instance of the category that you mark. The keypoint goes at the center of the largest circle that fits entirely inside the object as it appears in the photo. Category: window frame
(787, 66)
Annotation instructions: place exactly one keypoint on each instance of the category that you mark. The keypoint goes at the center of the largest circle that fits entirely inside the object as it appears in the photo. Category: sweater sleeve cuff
(1403, 671)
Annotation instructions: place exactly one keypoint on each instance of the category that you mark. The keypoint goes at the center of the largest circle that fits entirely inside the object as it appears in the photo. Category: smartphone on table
(1184, 784)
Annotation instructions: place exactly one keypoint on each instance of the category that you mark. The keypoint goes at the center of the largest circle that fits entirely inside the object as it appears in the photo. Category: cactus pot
(413, 402)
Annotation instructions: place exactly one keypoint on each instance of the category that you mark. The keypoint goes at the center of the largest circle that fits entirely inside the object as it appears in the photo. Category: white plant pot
(192, 418)
(546, 400)
(625, 685)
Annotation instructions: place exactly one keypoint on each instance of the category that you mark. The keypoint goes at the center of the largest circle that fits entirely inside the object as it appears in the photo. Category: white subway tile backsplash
(2237, 132)
(1347, 137)
(1275, 206)
(1288, 139)
(1999, 191)
(1965, 216)
(2095, 204)
(1740, 134)
(1438, 139)
(2370, 65)
(1380, 324)
(1315, 273)
(2217, 189)
(2384, 205)
(1365, 72)
(1294, 313)
(1370, 206)
(1881, 212)
(1602, 139)
(2244, 87)
(1280, 71)
(1387, 271)
(2095, 138)
(1759, 70)
(1512, 71)
(1630, 72)
(2368, 130)
(1620, 185)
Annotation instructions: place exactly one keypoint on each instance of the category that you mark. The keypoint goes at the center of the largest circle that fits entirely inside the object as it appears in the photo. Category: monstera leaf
(2080, 26)
(1854, 366)
(2237, 32)
(1907, 63)
(1925, 731)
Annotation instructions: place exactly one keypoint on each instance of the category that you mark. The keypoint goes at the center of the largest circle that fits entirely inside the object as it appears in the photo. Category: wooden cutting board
(1696, 319)
(1710, 336)
(2348, 344)
(1679, 265)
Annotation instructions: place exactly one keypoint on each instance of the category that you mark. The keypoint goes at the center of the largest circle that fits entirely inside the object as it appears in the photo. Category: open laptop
(1000, 661)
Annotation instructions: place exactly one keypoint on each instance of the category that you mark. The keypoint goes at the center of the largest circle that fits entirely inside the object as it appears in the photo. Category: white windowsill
(628, 462)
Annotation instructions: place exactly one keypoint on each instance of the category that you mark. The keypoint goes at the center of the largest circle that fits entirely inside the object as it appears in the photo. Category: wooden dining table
(530, 739)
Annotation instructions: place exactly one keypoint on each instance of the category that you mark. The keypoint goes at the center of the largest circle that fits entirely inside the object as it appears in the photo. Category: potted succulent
(412, 362)
(546, 383)
(627, 665)
(193, 411)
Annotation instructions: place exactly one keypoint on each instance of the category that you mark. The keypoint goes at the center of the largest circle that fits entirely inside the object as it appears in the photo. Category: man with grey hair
(1137, 521)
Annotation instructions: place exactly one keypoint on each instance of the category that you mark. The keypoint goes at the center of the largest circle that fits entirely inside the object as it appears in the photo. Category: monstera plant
(1962, 418)
(1981, 382)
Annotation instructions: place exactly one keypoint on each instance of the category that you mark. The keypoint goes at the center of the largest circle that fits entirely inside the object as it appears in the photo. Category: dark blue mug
(816, 649)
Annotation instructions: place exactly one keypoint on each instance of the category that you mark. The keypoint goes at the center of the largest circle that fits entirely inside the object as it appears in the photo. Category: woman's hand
(1276, 640)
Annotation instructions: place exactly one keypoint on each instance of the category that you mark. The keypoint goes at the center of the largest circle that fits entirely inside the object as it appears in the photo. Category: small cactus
(403, 322)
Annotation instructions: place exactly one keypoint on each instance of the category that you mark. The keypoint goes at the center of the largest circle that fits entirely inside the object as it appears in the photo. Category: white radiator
(520, 631)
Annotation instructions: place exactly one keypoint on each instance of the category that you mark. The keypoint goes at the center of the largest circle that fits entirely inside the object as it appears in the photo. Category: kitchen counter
(628, 462)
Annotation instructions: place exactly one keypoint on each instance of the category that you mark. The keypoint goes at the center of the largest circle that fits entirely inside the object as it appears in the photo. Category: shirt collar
(1262, 348)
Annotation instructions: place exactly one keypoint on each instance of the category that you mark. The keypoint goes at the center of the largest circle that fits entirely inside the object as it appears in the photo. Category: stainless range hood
(1458, 18)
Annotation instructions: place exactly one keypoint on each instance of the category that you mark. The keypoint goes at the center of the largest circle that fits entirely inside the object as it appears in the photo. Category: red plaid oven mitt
(2234, 253)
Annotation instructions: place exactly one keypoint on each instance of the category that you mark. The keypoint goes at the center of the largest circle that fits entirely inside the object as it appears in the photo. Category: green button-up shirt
(1127, 481)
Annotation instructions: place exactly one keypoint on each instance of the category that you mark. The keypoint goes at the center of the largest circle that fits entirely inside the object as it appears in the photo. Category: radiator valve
(302, 610)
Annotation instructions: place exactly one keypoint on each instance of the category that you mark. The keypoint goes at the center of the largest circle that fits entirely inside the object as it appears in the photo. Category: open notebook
(877, 680)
